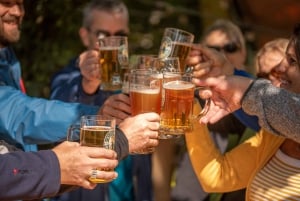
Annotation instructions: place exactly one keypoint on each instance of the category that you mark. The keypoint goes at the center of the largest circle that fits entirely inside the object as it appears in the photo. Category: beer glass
(113, 61)
(141, 61)
(176, 43)
(145, 91)
(169, 64)
(94, 131)
(145, 95)
(177, 105)
(137, 62)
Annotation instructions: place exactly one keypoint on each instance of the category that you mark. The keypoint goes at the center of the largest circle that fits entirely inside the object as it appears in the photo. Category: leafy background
(50, 31)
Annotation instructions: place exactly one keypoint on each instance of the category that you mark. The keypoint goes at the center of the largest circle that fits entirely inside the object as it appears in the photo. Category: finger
(201, 72)
(210, 81)
(116, 113)
(105, 164)
(154, 126)
(150, 116)
(152, 143)
(106, 175)
(152, 134)
(96, 46)
(120, 102)
(88, 185)
(205, 93)
(98, 152)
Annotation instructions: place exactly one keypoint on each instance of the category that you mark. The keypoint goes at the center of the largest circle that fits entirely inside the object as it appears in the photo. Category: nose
(281, 67)
(17, 10)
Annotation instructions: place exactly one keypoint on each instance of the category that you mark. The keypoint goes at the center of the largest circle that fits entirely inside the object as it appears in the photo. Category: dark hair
(295, 39)
(102, 5)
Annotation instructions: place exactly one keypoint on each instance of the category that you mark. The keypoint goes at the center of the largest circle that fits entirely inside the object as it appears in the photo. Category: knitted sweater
(278, 109)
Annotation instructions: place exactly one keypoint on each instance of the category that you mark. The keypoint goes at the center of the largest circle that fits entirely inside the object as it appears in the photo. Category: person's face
(104, 24)
(11, 16)
(288, 71)
(220, 41)
(267, 62)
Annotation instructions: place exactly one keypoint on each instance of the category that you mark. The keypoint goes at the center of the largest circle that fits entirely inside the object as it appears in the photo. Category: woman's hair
(276, 45)
(295, 40)
(233, 32)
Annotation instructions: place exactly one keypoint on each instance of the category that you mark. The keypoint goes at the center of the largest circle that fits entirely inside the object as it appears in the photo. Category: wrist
(90, 87)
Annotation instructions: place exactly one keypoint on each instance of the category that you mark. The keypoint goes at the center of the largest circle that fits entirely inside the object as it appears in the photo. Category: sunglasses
(103, 33)
(228, 48)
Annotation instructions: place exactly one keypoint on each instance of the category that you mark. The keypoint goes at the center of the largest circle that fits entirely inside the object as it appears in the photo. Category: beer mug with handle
(145, 94)
(177, 105)
(176, 43)
(94, 131)
(113, 62)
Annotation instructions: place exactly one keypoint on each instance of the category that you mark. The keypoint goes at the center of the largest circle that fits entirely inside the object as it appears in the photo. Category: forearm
(278, 110)
(217, 172)
(42, 121)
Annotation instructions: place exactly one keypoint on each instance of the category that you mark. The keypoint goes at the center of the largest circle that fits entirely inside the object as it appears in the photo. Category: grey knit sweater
(278, 110)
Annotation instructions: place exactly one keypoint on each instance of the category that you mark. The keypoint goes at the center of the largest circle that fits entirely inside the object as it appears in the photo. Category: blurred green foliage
(50, 33)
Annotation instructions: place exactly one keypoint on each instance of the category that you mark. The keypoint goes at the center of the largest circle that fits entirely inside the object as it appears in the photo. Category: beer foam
(109, 48)
(178, 85)
(157, 75)
(145, 91)
(97, 128)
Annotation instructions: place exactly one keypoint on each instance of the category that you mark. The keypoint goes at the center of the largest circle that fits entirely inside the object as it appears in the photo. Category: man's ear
(84, 36)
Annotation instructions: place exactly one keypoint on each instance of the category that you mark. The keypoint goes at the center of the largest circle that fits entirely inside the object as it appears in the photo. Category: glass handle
(73, 133)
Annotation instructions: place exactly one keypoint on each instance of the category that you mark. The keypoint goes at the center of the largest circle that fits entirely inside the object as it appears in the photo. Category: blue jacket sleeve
(27, 120)
(29, 175)
(250, 121)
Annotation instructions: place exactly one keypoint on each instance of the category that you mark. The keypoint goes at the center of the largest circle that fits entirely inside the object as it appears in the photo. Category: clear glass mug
(145, 94)
(176, 43)
(94, 131)
(137, 62)
(141, 61)
(113, 61)
(169, 64)
(177, 105)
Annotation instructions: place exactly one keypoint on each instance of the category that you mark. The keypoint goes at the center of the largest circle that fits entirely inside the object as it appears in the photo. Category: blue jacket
(66, 86)
(26, 121)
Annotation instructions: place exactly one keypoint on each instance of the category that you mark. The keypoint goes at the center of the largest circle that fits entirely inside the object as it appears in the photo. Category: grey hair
(115, 6)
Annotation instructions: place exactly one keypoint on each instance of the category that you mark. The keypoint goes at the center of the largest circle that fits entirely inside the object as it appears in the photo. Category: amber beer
(114, 57)
(145, 100)
(145, 91)
(110, 68)
(177, 109)
(98, 136)
(180, 50)
(176, 43)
